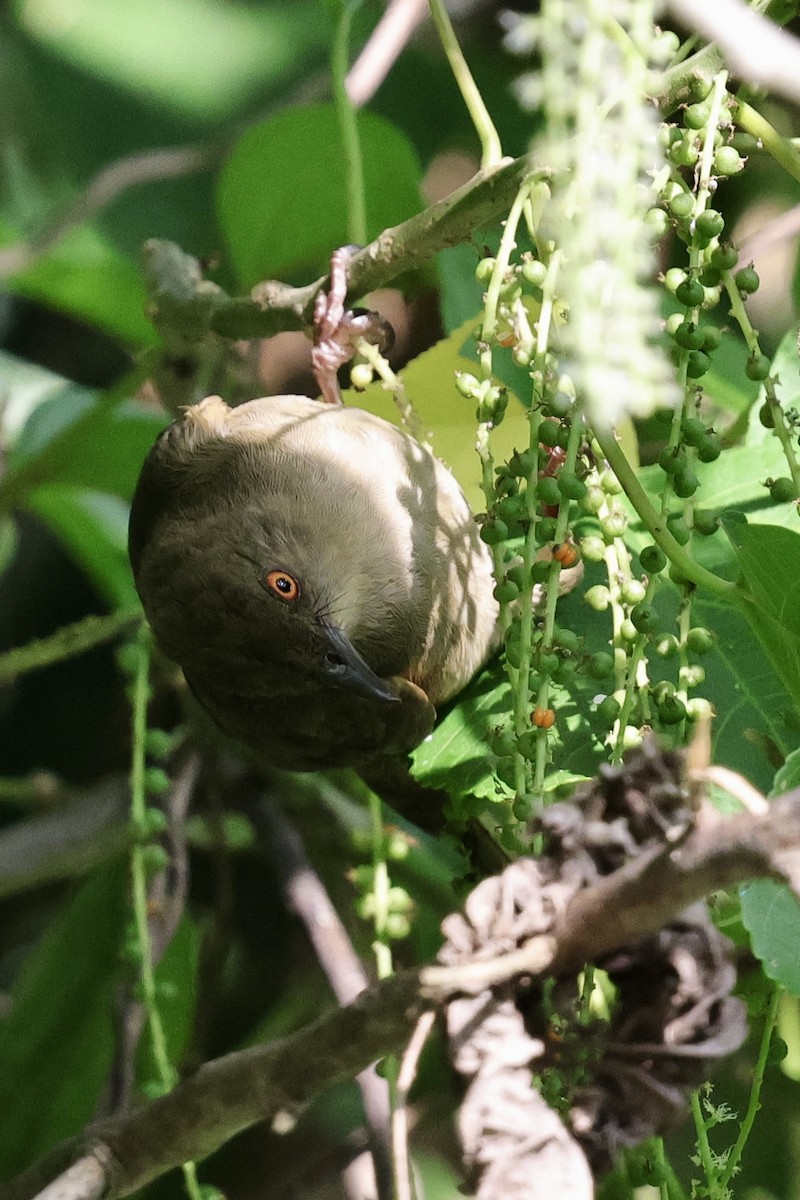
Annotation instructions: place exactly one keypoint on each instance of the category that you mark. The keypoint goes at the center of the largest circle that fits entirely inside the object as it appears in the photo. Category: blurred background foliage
(208, 123)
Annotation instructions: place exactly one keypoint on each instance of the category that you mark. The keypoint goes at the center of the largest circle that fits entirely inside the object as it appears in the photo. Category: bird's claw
(338, 330)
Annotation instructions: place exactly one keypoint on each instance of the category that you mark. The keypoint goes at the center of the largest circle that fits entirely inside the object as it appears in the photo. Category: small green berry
(709, 224)
(600, 665)
(672, 461)
(608, 710)
(709, 449)
(505, 592)
(698, 363)
(727, 161)
(685, 484)
(156, 781)
(676, 524)
(746, 280)
(705, 523)
(547, 491)
(484, 269)
(567, 639)
(548, 664)
(699, 709)
(613, 525)
(598, 597)
(570, 486)
(653, 559)
(559, 405)
(534, 272)
(689, 335)
(493, 532)
(633, 591)
(724, 257)
(593, 500)
(710, 277)
(684, 153)
(671, 711)
(696, 116)
(782, 490)
(656, 222)
(548, 433)
(546, 529)
(158, 743)
(766, 416)
(673, 278)
(610, 484)
(628, 631)
(644, 618)
(593, 548)
(690, 293)
(757, 367)
(682, 206)
(693, 430)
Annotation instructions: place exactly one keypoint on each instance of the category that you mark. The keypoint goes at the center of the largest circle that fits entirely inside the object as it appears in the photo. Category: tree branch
(276, 1081)
(186, 306)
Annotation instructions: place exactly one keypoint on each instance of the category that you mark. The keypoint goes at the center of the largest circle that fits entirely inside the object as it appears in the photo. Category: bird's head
(241, 587)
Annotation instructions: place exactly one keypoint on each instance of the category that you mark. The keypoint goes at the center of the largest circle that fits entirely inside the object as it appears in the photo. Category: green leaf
(769, 560)
(282, 194)
(429, 382)
(771, 915)
(93, 528)
(57, 1043)
(771, 911)
(87, 278)
(176, 983)
(108, 454)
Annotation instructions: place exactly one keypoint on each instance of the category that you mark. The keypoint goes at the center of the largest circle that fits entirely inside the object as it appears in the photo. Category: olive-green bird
(316, 573)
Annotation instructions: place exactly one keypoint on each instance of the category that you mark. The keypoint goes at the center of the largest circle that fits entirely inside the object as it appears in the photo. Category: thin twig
(405, 1078)
(387, 41)
(110, 182)
(307, 897)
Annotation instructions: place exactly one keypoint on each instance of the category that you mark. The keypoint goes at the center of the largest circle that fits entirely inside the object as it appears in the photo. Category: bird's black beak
(344, 666)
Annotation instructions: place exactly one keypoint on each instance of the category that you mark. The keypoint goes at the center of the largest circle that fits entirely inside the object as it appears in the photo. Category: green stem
(166, 1072)
(780, 428)
(348, 126)
(754, 1102)
(704, 1146)
(655, 524)
(65, 643)
(781, 149)
(491, 149)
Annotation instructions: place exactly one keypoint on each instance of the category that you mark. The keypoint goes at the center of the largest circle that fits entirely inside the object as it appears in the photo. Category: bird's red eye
(283, 585)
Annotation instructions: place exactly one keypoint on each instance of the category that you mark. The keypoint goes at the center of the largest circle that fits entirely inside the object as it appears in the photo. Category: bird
(317, 574)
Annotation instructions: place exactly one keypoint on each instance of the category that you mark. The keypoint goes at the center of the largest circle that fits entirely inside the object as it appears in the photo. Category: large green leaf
(769, 560)
(56, 1044)
(86, 277)
(282, 193)
(110, 446)
(93, 527)
(771, 911)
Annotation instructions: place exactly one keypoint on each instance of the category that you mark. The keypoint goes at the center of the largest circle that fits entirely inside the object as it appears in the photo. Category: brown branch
(307, 897)
(266, 1082)
(185, 306)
